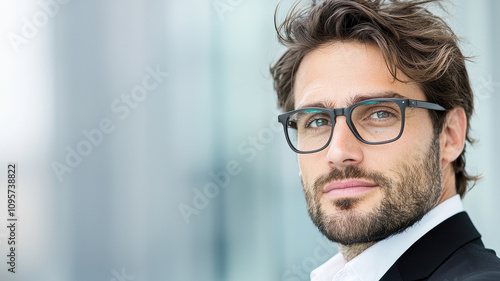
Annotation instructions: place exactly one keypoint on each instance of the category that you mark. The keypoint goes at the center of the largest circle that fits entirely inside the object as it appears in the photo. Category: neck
(449, 189)
(351, 251)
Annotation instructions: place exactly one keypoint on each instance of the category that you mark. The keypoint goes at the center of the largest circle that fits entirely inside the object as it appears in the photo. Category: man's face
(355, 192)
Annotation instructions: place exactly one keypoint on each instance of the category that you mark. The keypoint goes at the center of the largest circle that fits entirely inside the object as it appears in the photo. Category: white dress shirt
(374, 262)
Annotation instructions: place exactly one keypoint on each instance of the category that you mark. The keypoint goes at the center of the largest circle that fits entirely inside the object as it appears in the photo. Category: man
(378, 103)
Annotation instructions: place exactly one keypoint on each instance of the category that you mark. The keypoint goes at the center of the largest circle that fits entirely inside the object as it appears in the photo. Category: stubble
(407, 197)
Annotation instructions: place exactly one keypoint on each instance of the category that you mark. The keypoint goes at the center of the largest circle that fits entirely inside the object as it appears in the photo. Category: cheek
(304, 169)
(312, 166)
(417, 136)
(386, 158)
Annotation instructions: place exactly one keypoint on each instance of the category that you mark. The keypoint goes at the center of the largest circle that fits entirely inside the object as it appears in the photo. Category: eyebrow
(355, 99)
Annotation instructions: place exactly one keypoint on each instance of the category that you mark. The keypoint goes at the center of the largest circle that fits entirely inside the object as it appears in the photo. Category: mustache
(351, 172)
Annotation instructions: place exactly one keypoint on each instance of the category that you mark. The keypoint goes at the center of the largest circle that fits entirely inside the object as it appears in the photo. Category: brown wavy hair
(411, 39)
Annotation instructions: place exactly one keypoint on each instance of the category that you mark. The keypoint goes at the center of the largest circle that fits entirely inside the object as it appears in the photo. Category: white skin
(337, 74)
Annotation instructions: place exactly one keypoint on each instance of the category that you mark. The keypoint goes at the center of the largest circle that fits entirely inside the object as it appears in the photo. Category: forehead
(340, 74)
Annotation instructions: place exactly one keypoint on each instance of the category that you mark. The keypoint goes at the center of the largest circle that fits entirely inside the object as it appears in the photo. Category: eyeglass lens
(374, 121)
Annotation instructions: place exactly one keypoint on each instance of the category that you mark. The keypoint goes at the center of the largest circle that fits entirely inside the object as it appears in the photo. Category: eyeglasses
(373, 121)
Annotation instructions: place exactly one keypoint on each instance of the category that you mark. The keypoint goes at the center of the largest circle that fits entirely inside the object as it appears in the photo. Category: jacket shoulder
(472, 261)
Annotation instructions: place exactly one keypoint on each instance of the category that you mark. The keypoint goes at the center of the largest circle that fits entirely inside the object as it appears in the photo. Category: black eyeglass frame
(347, 111)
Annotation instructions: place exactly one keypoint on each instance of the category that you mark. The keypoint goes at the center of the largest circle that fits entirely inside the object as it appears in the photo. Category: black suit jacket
(452, 251)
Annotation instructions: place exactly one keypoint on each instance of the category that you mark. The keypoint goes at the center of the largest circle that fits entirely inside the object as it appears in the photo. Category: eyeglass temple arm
(426, 105)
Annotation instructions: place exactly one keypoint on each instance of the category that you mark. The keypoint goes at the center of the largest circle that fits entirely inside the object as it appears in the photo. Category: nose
(344, 148)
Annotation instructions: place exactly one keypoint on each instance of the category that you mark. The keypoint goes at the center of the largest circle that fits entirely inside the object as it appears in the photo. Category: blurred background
(147, 145)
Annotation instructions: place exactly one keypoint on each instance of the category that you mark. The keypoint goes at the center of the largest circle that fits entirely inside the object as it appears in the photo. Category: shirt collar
(376, 260)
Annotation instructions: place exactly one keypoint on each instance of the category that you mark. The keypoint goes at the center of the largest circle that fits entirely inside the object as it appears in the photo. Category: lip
(348, 188)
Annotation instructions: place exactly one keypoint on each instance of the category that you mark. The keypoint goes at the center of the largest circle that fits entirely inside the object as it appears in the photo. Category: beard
(407, 197)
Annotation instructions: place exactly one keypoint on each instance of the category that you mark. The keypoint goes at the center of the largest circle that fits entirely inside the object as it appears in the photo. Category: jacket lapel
(432, 249)
(392, 274)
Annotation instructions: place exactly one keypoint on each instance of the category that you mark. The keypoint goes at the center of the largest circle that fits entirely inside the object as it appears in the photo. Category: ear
(452, 139)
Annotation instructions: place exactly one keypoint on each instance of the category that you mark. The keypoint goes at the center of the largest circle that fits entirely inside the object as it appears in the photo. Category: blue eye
(318, 122)
(380, 115)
